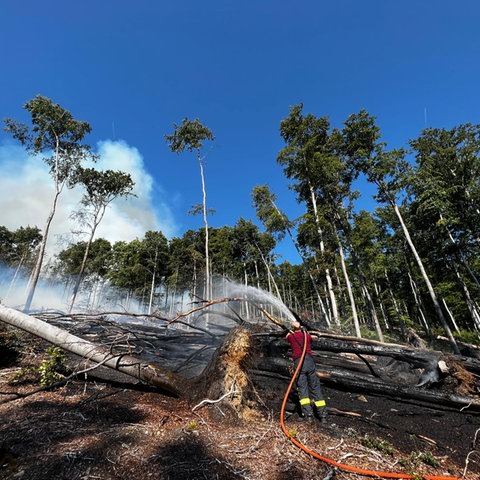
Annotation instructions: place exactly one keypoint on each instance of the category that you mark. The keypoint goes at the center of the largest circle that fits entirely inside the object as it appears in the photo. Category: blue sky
(132, 69)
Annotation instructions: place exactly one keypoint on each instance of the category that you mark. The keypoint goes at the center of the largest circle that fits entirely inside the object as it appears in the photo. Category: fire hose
(341, 466)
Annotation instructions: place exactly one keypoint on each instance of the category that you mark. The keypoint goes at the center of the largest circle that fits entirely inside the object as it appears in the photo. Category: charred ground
(99, 428)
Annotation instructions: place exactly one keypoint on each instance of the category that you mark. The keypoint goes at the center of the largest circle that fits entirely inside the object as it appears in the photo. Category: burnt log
(245, 360)
(400, 372)
(127, 364)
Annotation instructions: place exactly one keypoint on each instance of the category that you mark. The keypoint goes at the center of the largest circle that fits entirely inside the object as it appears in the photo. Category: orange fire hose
(341, 466)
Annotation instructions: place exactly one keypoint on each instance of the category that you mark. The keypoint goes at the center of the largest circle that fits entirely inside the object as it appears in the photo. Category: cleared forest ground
(99, 429)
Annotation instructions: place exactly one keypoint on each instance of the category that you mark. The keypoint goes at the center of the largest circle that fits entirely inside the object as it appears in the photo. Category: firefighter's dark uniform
(308, 384)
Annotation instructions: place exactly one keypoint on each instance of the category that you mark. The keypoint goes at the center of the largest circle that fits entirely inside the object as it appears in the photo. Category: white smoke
(14, 290)
(25, 200)
(27, 192)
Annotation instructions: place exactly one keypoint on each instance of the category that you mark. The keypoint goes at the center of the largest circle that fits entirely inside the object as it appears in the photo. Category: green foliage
(293, 432)
(190, 135)
(103, 186)
(191, 426)
(55, 130)
(352, 433)
(368, 333)
(99, 258)
(411, 463)
(428, 459)
(467, 336)
(274, 221)
(53, 368)
(18, 247)
(378, 444)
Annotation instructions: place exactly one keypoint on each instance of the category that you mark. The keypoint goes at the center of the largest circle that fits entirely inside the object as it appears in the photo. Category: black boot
(322, 414)
(306, 418)
(307, 413)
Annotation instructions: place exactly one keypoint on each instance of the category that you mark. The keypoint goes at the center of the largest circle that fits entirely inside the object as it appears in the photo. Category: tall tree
(446, 186)
(277, 223)
(191, 135)
(305, 136)
(55, 133)
(101, 189)
(155, 258)
(388, 170)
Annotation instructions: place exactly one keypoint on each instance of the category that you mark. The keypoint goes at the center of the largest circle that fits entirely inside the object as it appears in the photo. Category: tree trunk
(471, 303)
(380, 303)
(368, 297)
(43, 244)
(331, 293)
(373, 311)
(398, 313)
(91, 352)
(461, 255)
(431, 291)
(226, 380)
(419, 302)
(450, 314)
(78, 281)
(349, 286)
(208, 291)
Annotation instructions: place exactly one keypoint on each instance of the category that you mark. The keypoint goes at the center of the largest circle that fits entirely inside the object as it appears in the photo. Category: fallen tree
(225, 375)
(227, 380)
(389, 370)
(89, 351)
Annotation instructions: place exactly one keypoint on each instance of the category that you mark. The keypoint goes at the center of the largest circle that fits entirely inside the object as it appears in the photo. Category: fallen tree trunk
(127, 364)
(388, 370)
(344, 363)
(225, 380)
(416, 357)
(363, 383)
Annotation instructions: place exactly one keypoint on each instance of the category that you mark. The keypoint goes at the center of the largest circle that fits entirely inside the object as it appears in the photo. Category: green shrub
(368, 333)
(378, 444)
(411, 463)
(428, 459)
(53, 368)
(192, 425)
(467, 336)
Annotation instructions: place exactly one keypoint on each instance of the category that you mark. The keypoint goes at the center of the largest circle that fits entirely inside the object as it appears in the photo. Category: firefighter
(308, 384)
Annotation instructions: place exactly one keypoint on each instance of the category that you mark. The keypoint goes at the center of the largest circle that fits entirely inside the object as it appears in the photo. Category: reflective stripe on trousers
(308, 385)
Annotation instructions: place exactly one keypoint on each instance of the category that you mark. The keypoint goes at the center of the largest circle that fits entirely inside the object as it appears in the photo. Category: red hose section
(342, 466)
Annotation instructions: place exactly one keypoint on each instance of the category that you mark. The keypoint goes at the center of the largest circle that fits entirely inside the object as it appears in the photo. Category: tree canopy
(412, 262)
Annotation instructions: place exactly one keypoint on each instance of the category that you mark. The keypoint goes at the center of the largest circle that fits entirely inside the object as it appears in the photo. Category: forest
(411, 264)
(388, 293)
